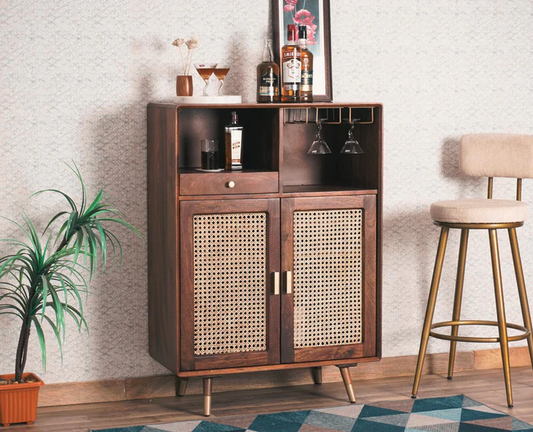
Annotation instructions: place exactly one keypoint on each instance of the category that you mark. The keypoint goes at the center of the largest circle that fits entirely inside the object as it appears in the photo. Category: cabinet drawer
(228, 183)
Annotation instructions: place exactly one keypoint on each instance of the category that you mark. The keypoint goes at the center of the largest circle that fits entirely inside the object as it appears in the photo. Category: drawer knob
(231, 184)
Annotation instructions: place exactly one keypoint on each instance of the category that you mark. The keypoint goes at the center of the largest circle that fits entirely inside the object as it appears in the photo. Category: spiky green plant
(43, 282)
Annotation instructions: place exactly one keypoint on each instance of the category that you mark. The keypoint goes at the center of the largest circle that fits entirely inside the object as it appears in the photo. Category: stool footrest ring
(514, 338)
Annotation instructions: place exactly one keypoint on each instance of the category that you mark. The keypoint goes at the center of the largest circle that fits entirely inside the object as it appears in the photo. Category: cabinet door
(329, 267)
(230, 313)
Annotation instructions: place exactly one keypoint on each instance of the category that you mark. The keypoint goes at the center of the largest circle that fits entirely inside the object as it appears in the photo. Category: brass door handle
(276, 283)
(230, 184)
(288, 282)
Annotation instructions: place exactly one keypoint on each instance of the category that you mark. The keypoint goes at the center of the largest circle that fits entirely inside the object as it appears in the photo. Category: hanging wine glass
(319, 146)
(352, 146)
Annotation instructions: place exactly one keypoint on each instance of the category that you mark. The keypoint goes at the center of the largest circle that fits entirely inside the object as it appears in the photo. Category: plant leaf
(42, 341)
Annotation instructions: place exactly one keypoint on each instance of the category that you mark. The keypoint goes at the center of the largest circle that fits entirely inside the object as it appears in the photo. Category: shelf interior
(260, 135)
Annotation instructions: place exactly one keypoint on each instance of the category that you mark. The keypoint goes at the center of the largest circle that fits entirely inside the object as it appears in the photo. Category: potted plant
(42, 283)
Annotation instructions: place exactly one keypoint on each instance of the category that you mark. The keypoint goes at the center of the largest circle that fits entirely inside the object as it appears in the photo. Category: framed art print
(315, 15)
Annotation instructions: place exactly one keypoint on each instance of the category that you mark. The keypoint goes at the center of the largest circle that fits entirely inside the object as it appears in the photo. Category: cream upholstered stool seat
(490, 155)
(479, 211)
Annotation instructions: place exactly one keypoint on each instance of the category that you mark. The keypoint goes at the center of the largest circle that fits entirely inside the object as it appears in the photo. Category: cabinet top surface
(269, 105)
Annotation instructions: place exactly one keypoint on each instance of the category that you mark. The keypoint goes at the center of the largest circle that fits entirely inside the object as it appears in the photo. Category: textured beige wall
(76, 78)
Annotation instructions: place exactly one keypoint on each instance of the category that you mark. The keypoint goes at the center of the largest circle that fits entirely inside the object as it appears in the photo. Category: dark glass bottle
(268, 77)
(306, 87)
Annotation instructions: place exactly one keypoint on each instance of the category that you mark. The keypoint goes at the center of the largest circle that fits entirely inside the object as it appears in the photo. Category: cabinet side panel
(162, 237)
(379, 222)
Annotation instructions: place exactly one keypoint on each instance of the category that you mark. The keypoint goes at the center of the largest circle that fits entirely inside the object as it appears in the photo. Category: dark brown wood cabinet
(276, 266)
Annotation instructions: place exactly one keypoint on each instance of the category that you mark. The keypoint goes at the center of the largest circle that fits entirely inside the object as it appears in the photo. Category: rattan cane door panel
(230, 250)
(329, 247)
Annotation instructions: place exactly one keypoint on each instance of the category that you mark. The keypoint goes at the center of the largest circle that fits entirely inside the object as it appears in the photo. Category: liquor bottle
(234, 143)
(291, 67)
(268, 77)
(306, 87)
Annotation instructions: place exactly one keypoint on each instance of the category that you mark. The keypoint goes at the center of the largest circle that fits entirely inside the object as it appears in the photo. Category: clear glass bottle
(291, 67)
(268, 77)
(233, 133)
(306, 86)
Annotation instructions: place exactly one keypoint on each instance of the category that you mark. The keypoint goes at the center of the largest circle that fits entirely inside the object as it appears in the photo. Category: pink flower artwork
(302, 17)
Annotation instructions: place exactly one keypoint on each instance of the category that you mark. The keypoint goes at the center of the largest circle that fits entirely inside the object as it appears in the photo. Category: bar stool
(484, 155)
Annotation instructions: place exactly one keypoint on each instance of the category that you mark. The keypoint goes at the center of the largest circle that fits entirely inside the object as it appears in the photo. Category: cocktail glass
(220, 72)
(205, 70)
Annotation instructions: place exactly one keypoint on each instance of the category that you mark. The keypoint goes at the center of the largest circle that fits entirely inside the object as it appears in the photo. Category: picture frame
(316, 15)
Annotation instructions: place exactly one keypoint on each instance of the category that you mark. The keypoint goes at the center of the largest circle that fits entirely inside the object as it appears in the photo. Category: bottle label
(236, 145)
(292, 71)
(269, 84)
(307, 80)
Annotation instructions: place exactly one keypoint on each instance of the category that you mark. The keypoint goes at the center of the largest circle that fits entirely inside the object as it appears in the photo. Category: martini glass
(205, 70)
(319, 146)
(352, 146)
(220, 72)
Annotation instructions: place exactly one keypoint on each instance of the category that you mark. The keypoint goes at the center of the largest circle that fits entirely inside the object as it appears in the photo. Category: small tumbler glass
(209, 154)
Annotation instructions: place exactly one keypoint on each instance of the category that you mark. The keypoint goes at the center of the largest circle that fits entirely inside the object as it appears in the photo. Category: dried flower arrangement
(186, 61)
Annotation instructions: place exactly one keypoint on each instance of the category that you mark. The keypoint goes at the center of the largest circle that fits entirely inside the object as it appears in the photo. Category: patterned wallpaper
(76, 78)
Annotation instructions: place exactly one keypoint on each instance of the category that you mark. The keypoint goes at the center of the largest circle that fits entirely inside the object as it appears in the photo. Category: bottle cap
(302, 32)
(292, 32)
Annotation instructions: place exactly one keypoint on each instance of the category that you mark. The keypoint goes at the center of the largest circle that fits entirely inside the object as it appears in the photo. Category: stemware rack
(329, 115)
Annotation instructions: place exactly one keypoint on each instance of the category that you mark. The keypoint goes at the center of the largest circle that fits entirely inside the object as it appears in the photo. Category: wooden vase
(184, 85)
(18, 402)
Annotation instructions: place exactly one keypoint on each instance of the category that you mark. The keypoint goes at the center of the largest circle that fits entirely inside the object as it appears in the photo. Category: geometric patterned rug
(445, 414)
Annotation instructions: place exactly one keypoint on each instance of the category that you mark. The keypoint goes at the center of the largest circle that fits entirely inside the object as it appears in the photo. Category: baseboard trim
(163, 386)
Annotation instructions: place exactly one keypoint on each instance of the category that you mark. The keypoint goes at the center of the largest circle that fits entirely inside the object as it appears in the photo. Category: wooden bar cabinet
(277, 266)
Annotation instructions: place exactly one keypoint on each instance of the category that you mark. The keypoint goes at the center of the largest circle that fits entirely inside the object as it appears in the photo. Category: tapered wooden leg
(458, 298)
(208, 386)
(500, 310)
(182, 386)
(346, 377)
(317, 374)
(439, 260)
(521, 289)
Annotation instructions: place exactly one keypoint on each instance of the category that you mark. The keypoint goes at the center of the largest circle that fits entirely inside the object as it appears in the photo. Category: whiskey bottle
(268, 77)
(306, 86)
(291, 67)
(234, 143)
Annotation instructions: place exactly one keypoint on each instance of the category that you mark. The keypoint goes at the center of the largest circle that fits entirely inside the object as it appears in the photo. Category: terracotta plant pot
(18, 402)
(184, 85)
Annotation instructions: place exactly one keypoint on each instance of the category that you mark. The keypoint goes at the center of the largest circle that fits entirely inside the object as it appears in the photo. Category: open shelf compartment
(260, 136)
(301, 172)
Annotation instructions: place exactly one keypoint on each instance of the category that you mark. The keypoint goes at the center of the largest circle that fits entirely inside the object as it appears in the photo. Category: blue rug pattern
(446, 414)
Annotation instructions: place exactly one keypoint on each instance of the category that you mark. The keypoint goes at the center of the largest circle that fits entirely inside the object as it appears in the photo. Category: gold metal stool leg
(458, 298)
(521, 289)
(317, 374)
(500, 310)
(439, 260)
(347, 378)
(208, 388)
(182, 386)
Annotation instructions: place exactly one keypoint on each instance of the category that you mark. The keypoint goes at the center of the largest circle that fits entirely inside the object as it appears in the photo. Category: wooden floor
(484, 386)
